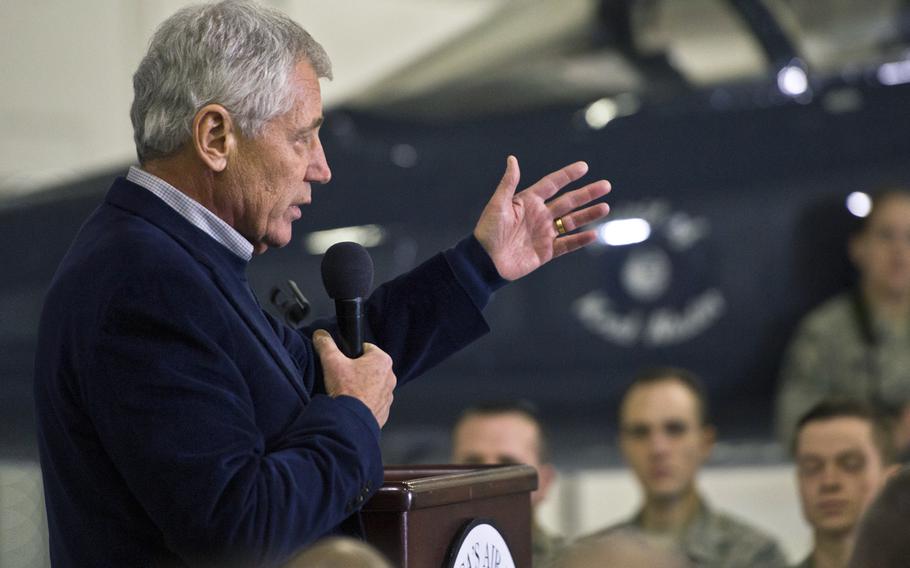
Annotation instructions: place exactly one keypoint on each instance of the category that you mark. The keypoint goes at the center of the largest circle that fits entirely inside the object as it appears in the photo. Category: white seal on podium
(480, 545)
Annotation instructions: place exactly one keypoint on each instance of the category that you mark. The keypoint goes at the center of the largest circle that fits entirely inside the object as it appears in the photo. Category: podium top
(407, 488)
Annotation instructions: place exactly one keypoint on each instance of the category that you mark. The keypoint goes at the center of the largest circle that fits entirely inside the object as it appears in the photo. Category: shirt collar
(194, 212)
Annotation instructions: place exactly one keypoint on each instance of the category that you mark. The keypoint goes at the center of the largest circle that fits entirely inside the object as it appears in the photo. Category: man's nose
(318, 170)
(659, 443)
(830, 478)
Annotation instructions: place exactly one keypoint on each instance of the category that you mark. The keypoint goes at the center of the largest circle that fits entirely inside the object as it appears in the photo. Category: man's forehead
(307, 91)
(658, 402)
(658, 421)
(834, 435)
(499, 424)
(823, 452)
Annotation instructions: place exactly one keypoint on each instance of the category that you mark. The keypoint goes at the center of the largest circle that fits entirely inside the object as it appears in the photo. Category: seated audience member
(842, 451)
(666, 437)
(619, 549)
(339, 552)
(857, 344)
(509, 433)
(881, 539)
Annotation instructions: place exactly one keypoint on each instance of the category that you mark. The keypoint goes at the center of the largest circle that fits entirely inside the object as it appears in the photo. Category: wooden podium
(420, 513)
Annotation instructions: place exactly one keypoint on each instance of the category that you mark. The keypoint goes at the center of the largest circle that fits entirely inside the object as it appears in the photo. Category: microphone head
(347, 271)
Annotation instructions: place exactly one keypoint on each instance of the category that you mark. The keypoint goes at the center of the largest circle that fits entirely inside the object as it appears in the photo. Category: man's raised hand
(518, 230)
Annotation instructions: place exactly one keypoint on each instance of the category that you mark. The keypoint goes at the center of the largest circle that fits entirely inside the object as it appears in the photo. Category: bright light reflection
(624, 232)
(792, 80)
(859, 203)
(367, 236)
(895, 73)
(600, 113)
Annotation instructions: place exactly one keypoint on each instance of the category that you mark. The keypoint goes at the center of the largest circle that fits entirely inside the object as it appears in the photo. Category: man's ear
(546, 474)
(708, 439)
(214, 136)
(890, 471)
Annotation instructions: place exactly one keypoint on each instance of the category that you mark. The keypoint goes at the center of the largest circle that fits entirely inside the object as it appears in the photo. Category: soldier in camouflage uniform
(509, 433)
(857, 345)
(665, 437)
(842, 451)
(621, 549)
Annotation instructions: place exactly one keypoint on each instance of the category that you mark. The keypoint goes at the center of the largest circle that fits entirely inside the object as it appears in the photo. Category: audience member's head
(880, 248)
(881, 539)
(339, 552)
(503, 433)
(842, 450)
(664, 431)
(619, 549)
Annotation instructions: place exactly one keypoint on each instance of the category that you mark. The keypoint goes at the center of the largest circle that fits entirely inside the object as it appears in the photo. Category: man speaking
(179, 424)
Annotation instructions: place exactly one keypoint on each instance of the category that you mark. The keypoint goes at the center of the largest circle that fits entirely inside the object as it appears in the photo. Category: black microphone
(347, 273)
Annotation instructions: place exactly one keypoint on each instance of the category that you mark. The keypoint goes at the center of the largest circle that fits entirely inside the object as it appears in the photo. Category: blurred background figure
(881, 541)
(509, 432)
(620, 549)
(666, 437)
(339, 552)
(857, 344)
(842, 451)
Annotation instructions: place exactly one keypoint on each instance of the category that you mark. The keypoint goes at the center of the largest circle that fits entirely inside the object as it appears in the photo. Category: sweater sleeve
(432, 311)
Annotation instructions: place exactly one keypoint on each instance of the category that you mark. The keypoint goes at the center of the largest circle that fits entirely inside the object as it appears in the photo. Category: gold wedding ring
(560, 227)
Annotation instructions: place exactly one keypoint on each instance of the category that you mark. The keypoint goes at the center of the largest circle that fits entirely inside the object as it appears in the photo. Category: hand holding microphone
(368, 378)
(360, 370)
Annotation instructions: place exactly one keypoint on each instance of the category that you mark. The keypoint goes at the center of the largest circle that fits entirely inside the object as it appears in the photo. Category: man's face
(839, 470)
(662, 438)
(270, 175)
(882, 250)
(507, 438)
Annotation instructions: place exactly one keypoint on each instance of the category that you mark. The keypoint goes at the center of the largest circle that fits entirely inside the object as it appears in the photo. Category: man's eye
(676, 428)
(809, 467)
(885, 234)
(637, 432)
(852, 462)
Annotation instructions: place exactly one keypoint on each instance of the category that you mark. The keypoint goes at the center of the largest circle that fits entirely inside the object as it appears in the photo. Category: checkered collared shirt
(194, 212)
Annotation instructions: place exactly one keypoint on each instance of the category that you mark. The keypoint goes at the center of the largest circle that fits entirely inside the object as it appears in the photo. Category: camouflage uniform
(717, 540)
(544, 545)
(830, 357)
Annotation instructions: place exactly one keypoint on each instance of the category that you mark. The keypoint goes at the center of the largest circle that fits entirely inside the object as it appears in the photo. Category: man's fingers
(574, 199)
(549, 185)
(584, 216)
(509, 182)
(571, 243)
(324, 344)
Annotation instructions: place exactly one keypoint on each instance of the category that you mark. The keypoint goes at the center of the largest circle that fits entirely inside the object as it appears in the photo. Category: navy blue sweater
(179, 424)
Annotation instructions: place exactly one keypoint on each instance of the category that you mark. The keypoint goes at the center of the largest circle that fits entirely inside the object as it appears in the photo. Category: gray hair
(235, 53)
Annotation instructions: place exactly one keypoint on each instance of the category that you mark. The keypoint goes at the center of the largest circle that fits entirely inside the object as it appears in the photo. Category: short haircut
(522, 407)
(235, 53)
(335, 551)
(832, 408)
(654, 375)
